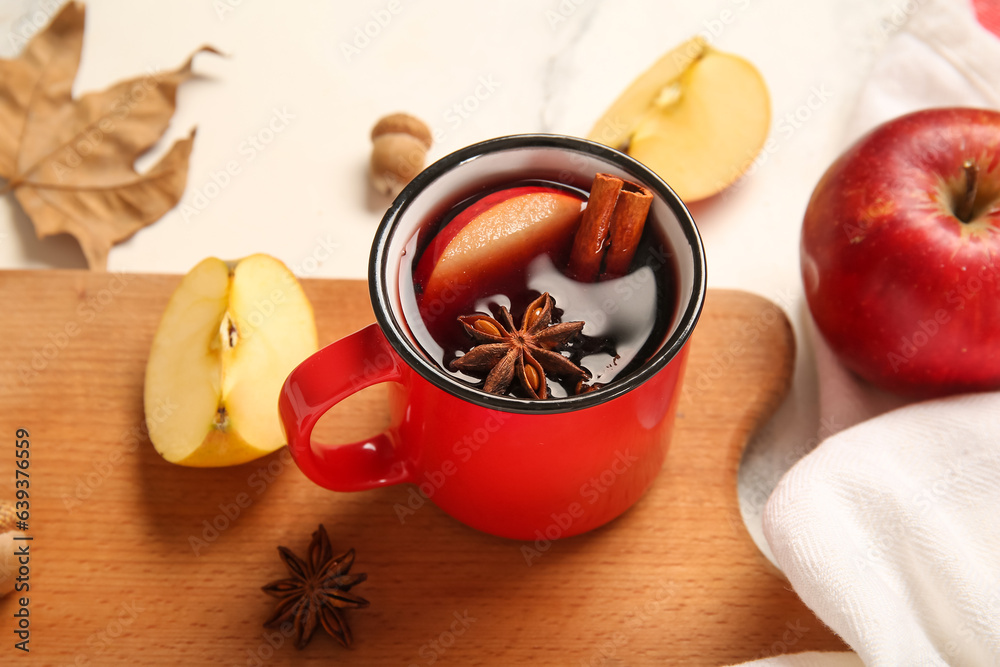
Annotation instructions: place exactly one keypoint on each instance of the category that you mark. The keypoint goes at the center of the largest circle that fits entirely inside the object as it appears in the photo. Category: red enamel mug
(512, 467)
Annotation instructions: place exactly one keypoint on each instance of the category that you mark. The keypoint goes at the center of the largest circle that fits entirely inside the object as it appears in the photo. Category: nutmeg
(399, 150)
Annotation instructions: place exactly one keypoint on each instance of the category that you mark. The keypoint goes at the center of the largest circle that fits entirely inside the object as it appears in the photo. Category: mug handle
(317, 384)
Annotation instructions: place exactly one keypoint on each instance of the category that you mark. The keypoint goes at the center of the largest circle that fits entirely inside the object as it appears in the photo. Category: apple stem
(964, 209)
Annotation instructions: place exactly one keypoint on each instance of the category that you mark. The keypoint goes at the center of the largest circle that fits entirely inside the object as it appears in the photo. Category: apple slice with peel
(697, 118)
(501, 231)
(230, 335)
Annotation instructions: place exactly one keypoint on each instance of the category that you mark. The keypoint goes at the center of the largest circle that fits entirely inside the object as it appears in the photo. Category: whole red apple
(901, 253)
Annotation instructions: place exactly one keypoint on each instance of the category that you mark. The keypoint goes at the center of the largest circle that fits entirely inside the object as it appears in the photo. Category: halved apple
(230, 335)
(698, 118)
(501, 231)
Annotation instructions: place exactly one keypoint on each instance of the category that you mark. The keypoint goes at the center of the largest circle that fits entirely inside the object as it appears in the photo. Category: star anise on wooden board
(317, 592)
(527, 353)
(70, 161)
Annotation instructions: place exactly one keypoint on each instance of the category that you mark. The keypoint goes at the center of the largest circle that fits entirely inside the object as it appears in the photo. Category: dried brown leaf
(70, 162)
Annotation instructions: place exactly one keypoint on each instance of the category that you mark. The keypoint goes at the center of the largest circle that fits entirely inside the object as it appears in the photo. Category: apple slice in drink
(493, 237)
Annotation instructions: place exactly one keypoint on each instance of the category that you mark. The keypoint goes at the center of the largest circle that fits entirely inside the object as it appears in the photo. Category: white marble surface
(472, 70)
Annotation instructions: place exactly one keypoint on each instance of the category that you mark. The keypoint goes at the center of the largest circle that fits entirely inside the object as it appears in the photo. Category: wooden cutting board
(137, 561)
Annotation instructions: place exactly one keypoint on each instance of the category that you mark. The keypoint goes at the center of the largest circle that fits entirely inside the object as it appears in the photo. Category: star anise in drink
(527, 353)
(317, 592)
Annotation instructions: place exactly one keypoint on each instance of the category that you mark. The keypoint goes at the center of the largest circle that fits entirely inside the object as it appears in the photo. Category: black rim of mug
(414, 357)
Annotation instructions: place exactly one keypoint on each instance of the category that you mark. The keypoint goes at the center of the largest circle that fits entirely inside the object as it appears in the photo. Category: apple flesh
(697, 117)
(493, 236)
(900, 253)
(229, 336)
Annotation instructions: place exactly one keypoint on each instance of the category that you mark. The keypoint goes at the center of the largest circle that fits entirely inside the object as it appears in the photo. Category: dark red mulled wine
(626, 318)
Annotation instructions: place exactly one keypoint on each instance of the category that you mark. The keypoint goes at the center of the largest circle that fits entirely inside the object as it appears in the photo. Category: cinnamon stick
(588, 244)
(627, 223)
